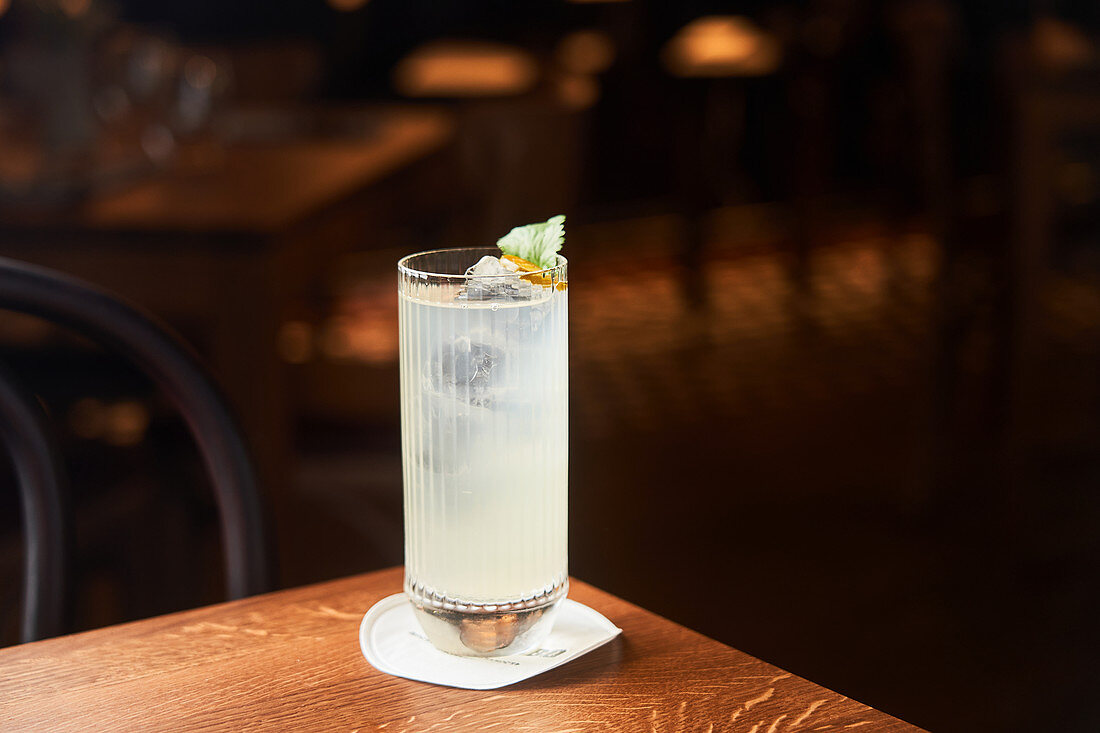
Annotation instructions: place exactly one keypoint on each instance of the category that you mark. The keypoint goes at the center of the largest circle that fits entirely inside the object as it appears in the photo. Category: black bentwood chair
(34, 457)
(137, 336)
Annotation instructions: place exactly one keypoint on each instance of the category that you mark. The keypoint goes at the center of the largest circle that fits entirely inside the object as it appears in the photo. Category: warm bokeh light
(200, 71)
(585, 52)
(720, 45)
(362, 327)
(4, 5)
(126, 423)
(465, 69)
(366, 336)
(121, 424)
(577, 91)
(1060, 45)
(346, 6)
(74, 8)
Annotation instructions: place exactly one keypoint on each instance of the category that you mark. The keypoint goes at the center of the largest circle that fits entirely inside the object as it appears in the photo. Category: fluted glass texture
(484, 399)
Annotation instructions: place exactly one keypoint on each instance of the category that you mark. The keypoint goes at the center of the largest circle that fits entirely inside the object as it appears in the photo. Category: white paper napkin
(392, 641)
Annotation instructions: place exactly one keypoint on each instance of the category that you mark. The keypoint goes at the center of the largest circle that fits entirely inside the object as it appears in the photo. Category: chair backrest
(138, 336)
(45, 521)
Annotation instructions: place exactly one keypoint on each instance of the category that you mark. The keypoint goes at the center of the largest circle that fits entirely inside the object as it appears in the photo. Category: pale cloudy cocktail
(484, 399)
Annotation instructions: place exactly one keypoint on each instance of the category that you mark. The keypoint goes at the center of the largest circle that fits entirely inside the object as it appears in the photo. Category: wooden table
(290, 661)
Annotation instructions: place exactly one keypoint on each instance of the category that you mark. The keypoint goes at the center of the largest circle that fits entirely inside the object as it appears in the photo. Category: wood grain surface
(291, 661)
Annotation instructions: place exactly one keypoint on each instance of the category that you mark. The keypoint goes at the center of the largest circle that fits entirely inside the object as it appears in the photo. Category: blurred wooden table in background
(220, 244)
(291, 661)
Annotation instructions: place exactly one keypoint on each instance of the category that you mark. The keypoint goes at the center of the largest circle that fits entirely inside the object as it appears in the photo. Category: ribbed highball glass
(484, 436)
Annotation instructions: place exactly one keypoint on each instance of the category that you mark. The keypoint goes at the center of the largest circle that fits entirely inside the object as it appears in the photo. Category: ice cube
(460, 381)
(494, 280)
(487, 265)
(465, 371)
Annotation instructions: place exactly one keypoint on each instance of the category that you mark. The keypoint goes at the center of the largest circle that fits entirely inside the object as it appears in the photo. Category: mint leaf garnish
(536, 243)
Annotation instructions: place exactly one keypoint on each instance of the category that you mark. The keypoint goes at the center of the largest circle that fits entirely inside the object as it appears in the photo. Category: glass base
(487, 630)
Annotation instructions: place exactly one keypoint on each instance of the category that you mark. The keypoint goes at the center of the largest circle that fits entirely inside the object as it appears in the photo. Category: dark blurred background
(835, 304)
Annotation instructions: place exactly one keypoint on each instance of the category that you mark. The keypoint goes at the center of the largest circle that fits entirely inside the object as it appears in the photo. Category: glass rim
(405, 269)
